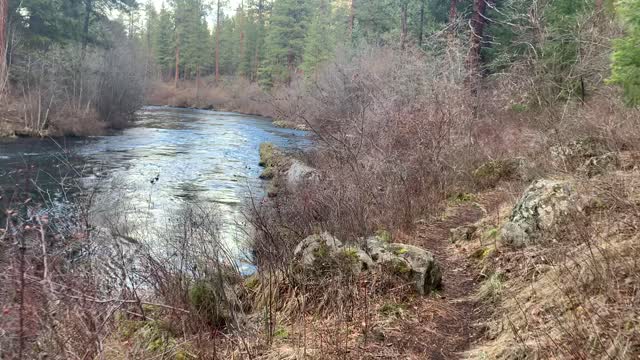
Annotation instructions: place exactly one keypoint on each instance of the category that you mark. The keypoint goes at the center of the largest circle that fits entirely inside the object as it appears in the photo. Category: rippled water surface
(196, 155)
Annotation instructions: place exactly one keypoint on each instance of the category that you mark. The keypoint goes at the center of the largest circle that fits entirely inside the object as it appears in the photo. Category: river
(168, 158)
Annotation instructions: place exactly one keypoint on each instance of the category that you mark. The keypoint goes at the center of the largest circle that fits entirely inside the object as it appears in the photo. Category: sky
(211, 18)
(232, 4)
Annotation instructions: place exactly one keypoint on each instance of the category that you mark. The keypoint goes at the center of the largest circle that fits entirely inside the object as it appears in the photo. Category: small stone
(462, 233)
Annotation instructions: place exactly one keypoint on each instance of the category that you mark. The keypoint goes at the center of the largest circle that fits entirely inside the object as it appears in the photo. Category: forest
(470, 189)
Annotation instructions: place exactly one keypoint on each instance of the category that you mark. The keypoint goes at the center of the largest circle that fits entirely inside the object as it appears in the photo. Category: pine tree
(163, 42)
(625, 69)
(285, 40)
(319, 41)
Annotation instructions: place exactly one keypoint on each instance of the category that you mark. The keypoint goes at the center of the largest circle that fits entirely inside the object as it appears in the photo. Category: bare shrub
(233, 94)
(68, 90)
(389, 126)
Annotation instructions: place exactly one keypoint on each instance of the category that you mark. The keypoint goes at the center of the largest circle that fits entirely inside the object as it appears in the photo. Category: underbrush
(235, 94)
(67, 90)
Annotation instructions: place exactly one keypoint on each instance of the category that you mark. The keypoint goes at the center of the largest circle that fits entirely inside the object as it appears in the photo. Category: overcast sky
(232, 4)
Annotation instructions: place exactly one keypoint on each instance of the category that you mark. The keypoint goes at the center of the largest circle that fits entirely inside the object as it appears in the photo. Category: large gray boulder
(316, 246)
(325, 248)
(407, 261)
(299, 173)
(545, 205)
(411, 263)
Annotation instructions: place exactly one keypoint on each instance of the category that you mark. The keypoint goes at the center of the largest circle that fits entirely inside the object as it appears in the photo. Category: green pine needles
(625, 68)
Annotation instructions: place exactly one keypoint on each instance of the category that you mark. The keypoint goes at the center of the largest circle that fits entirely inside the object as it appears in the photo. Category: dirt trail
(443, 326)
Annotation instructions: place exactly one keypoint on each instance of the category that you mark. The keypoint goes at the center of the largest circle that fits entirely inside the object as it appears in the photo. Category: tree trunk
(241, 58)
(403, 22)
(599, 5)
(260, 29)
(453, 12)
(88, 9)
(4, 44)
(478, 22)
(198, 82)
(218, 42)
(352, 15)
(420, 33)
(175, 81)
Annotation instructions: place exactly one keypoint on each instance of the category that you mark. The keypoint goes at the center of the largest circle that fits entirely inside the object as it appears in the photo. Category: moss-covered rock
(407, 261)
(544, 206)
(269, 154)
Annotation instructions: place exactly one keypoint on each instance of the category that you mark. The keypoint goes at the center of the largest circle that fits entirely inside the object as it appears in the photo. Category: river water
(168, 158)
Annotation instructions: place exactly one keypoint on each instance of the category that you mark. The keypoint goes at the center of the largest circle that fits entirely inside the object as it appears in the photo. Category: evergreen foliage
(625, 70)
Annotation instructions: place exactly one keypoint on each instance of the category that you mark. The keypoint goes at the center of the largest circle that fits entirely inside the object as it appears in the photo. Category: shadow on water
(169, 157)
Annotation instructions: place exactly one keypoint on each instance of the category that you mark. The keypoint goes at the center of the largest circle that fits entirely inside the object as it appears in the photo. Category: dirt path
(444, 325)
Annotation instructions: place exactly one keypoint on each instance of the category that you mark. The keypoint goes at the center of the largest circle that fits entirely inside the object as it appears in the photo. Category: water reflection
(170, 157)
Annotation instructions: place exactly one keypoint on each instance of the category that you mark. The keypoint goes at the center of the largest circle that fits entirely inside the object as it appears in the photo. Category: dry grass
(236, 94)
(575, 298)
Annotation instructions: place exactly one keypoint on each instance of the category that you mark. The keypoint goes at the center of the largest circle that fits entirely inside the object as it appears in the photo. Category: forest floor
(447, 324)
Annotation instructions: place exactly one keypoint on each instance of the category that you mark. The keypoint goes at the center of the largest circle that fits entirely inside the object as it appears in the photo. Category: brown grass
(237, 95)
(574, 298)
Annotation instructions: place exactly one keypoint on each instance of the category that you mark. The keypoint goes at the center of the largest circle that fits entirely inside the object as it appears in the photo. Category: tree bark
(260, 29)
(4, 44)
(88, 9)
(403, 23)
(198, 82)
(453, 12)
(241, 58)
(420, 33)
(177, 75)
(352, 15)
(478, 22)
(218, 42)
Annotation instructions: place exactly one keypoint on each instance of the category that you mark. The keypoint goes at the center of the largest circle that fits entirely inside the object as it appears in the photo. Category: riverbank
(233, 95)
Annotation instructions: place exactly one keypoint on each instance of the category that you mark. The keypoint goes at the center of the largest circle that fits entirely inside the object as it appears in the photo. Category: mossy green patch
(321, 251)
(490, 234)
(483, 253)
(267, 153)
(519, 107)
(351, 254)
(393, 310)
(400, 251)
(491, 289)
(461, 197)
(398, 267)
(252, 282)
(205, 299)
(384, 235)
(281, 333)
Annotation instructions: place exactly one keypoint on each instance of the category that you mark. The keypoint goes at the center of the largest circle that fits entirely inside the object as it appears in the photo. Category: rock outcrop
(408, 262)
(299, 174)
(318, 248)
(545, 205)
